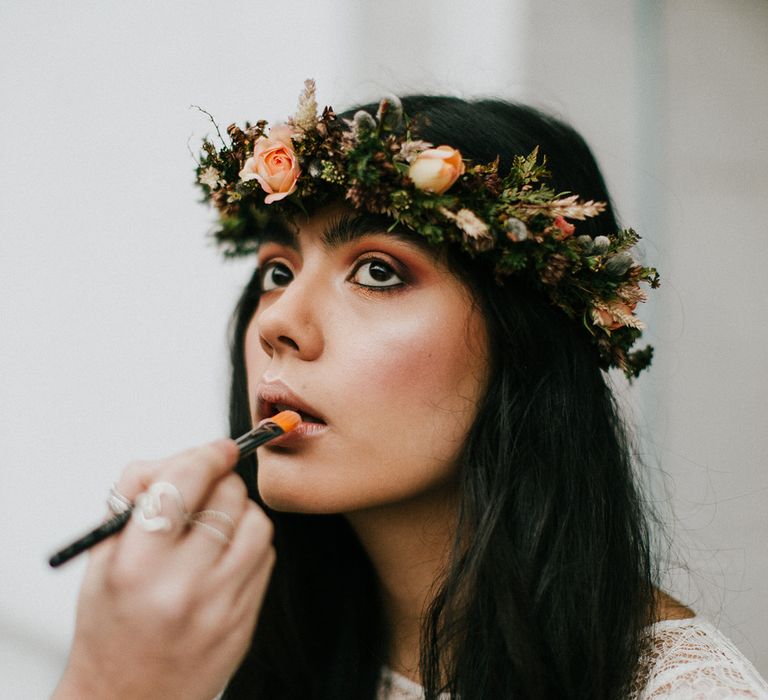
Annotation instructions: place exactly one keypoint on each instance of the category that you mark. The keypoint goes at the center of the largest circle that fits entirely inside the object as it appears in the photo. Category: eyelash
(376, 288)
(270, 265)
(266, 268)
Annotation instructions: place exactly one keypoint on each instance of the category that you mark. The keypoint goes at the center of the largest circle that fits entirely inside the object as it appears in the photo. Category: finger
(178, 484)
(250, 558)
(136, 477)
(212, 529)
(192, 471)
(195, 472)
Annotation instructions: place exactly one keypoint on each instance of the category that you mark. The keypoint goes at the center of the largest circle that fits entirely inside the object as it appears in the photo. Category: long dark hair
(550, 596)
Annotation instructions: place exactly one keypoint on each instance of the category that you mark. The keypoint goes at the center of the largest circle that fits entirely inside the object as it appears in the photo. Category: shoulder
(690, 659)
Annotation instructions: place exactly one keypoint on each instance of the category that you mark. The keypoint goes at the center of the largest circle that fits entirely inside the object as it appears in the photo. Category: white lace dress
(690, 660)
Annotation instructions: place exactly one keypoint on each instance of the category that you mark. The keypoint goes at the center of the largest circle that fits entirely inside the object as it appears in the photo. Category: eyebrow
(346, 228)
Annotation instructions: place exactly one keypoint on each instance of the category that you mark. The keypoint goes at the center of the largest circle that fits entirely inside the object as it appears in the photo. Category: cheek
(405, 358)
(422, 379)
(431, 377)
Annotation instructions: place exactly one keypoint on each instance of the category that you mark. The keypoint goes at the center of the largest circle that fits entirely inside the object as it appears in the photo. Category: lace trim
(689, 660)
(395, 686)
(692, 659)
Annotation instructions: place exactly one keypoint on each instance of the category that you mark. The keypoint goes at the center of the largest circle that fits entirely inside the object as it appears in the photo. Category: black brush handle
(247, 444)
(95, 536)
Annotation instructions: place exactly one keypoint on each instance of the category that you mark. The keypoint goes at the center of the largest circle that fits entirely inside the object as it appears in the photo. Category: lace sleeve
(692, 660)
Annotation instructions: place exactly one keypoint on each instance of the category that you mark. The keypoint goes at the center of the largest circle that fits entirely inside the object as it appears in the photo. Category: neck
(408, 544)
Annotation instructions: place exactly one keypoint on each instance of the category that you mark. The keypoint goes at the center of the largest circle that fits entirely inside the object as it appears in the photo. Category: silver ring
(118, 503)
(213, 532)
(148, 511)
(206, 519)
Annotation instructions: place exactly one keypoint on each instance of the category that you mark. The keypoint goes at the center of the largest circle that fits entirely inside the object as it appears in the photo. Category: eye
(274, 275)
(376, 273)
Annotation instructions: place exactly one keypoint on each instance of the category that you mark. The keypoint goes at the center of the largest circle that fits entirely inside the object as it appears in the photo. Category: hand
(171, 614)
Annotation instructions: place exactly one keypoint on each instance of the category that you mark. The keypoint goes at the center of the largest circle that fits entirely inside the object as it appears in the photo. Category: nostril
(265, 345)
(288, 341)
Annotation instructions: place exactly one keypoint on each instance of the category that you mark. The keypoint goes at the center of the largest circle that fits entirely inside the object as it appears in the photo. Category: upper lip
(268, 394)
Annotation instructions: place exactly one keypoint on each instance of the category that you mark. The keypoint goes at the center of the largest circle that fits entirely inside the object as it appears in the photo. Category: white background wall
(114, 305)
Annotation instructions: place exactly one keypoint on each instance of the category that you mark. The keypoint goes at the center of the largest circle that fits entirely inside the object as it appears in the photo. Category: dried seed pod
(516, 229)
(586, 243)
(363, 122)
(390, 114)
(618, 264)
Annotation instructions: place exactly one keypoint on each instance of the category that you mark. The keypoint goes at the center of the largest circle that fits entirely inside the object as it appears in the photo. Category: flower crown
(378, 165)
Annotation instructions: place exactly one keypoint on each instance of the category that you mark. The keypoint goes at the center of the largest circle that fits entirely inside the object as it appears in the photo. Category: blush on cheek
(394, 361)
(421, 362)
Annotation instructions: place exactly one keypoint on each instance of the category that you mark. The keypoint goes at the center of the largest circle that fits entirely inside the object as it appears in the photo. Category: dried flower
(306, 113)
(612, 315)
(572, 208)
(475, 230)
(554, 270)
(567, 207)
(566, 229)
(210, 178)
(631, 294)
(409, 150)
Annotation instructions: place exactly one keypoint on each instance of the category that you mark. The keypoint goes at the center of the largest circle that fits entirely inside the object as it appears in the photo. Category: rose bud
(436, 169)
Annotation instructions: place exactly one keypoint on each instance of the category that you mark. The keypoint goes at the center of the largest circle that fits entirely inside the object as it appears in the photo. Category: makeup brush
(282, 423)
(267, 430)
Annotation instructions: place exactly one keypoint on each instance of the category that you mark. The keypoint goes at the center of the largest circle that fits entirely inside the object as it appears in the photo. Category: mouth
(273, 397)
(274, 408)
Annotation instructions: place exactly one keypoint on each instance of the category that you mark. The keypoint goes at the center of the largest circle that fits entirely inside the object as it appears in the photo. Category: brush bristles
(287, 420)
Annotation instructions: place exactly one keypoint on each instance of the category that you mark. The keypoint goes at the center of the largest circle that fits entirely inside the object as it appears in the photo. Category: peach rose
(436, 169)
(282, 132)
(273, 164)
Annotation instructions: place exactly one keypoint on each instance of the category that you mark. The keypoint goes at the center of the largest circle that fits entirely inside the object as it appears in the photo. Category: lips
(273, 397)
(305, 417)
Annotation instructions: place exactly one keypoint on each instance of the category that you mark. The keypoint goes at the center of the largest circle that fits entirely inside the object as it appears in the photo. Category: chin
(293, 503)
(291, 492)
(280, 491)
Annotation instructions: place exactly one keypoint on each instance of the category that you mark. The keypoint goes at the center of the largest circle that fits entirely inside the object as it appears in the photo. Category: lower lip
(298, 435)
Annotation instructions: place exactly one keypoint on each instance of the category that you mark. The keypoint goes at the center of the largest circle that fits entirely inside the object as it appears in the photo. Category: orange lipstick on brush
(267, 430)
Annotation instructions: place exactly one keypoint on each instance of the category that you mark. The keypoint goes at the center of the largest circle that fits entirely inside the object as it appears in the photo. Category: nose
(290, 324)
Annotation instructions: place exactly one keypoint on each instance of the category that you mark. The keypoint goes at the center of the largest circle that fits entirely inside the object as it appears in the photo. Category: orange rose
(436, 169)
(273, 164)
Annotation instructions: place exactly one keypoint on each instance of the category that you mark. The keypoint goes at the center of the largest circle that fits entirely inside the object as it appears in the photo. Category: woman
(457, 511)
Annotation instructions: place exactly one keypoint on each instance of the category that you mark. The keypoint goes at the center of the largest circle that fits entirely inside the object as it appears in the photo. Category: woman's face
(384, 353)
